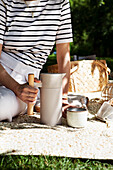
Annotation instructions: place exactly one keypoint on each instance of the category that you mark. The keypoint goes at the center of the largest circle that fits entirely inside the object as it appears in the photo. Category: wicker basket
(86, 75)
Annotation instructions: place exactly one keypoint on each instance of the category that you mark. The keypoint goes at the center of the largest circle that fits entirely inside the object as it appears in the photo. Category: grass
(52, 163)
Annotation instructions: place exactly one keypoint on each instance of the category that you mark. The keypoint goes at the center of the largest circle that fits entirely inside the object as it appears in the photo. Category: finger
(31, 89)
(65, 107)
(30, 99)
(29, 94)
(37, 81)
(26, 87)
(30, 102)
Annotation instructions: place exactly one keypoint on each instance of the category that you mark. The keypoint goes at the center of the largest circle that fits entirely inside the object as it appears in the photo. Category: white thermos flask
(51, 98)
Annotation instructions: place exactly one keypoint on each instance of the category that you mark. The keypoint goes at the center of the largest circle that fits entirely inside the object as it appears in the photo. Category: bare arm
(0, 49)
(63, 60)
(5, 78)
(25, 92)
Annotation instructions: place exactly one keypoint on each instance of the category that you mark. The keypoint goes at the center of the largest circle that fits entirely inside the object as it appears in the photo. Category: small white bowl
(77, 117)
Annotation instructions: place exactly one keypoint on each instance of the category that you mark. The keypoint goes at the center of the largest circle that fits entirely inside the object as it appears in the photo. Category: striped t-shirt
(29, 30)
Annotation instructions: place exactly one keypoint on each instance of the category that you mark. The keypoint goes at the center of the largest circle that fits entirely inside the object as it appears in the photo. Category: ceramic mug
(77, 117)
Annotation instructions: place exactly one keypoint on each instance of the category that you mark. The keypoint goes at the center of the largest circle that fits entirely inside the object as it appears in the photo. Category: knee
(7, 104)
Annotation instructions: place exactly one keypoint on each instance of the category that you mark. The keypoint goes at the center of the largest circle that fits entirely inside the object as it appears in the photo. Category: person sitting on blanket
(28, 31)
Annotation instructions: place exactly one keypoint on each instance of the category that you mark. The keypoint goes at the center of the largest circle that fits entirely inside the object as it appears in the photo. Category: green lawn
(52, 163)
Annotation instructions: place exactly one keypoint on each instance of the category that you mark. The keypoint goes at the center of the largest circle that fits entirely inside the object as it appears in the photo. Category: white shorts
(10, 104)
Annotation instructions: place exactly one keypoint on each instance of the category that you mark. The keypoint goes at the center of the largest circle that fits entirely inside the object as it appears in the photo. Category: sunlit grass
(49, 162)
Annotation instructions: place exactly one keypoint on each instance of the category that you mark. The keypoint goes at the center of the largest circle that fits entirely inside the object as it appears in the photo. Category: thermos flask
(51, 98)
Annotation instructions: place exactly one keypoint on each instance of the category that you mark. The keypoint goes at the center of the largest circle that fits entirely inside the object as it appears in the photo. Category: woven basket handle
(102, 65)
(73, 70)
(97, 62)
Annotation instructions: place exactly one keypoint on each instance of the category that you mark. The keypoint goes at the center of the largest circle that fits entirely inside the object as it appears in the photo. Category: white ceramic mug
(77, 117)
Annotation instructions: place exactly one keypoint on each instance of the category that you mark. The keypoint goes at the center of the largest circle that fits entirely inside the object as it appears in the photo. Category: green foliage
(51, 163)
(92, 22)
(50, 61)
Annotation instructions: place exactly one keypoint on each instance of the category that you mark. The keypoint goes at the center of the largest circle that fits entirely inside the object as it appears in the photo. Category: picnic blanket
(26, 136)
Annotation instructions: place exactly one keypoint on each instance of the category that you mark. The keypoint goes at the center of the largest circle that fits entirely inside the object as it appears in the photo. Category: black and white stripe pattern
(30, 39)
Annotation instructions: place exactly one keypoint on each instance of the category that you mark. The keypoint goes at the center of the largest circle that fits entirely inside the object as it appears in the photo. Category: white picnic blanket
(26, 136)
